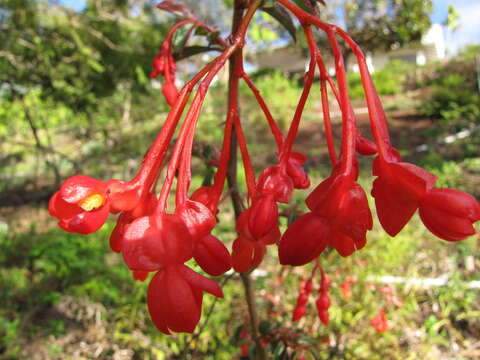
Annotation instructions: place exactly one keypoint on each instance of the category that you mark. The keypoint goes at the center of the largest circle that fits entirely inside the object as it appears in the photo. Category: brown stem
(232, 178)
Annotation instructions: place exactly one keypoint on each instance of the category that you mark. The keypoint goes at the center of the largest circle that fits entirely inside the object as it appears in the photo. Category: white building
(432, 47)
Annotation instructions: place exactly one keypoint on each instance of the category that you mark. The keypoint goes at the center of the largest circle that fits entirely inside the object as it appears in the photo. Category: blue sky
(469, 11)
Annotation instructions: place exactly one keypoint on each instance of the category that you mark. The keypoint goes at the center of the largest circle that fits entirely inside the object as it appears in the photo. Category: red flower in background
(380, 322)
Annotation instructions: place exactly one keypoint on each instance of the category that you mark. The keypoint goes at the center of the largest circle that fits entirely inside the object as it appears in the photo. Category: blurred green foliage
(389, 80)
(454, 97)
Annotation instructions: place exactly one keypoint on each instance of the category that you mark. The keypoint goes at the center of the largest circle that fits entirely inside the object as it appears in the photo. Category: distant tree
(382, 24)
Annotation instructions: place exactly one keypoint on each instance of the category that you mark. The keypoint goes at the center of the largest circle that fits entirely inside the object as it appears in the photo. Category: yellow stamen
(91, 202)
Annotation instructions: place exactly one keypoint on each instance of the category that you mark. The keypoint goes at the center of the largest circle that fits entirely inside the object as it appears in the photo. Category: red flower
(152, 242)
(304, 240)
(275, 181)
(243, 230)
(175, 298)
(163, 62)
(346, 289)
(450, 214)
(81, 204)
(380, 322)
(212, 256)
(397, 192)
(344, 205)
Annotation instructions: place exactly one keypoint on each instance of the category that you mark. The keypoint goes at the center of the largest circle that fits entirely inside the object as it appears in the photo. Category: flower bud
(212, 256)
(450, 214)
(262, 216)
(304, 240)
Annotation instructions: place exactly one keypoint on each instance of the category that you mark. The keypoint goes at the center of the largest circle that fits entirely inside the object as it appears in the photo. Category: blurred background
(75, 97)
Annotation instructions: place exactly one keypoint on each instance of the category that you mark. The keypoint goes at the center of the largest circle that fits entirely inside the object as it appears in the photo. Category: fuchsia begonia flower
(344, 205)
(175, 296)
(83, 203)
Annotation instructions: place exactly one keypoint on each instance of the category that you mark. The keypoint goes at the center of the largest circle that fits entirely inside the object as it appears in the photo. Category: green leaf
(188, 51)
(279, 13)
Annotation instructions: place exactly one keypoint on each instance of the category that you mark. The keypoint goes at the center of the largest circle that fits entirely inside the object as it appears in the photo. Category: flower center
(91, 202)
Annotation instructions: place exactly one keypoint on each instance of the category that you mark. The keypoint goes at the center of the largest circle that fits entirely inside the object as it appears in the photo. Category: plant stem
(232, 177)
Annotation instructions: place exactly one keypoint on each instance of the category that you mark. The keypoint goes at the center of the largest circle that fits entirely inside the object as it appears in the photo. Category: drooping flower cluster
(153, 238)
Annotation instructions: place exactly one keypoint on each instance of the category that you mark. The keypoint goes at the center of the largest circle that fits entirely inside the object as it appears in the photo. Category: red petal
(272, 237)
(344, 245)
(122, 196)
(242, 254)
(156, 301)
(78, 187)
(200, 282)
(184, 309)
(445, 226)
(212, 256)
(454, 202)
(197, 217)
(150, 244)
(61, 209)
(86, 222)
(263, 216)
(394, 207)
